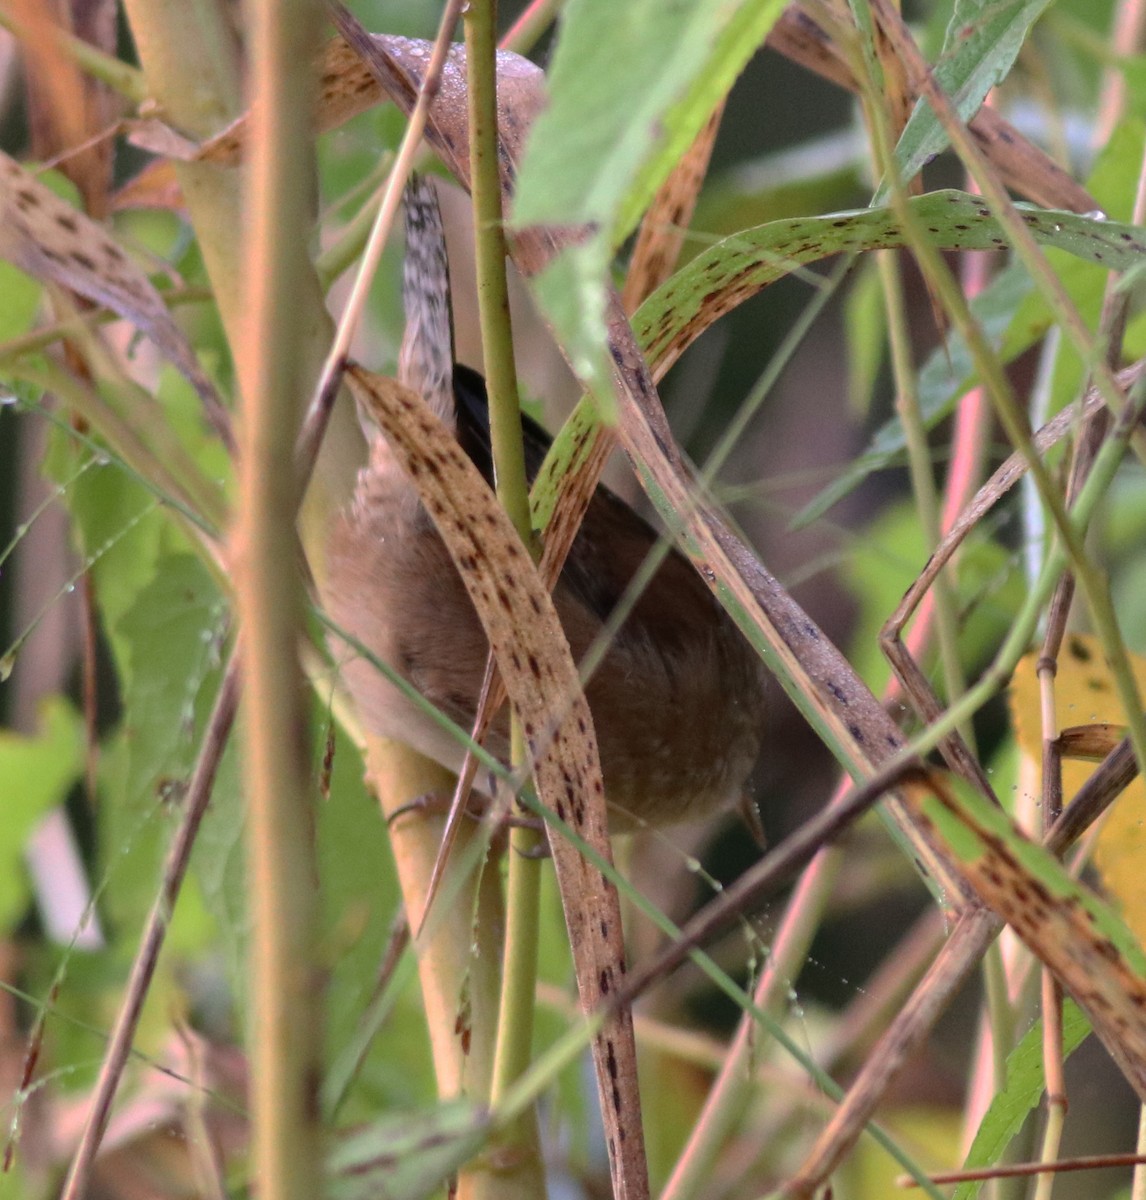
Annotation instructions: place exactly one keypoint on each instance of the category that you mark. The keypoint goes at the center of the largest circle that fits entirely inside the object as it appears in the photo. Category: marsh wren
(678, 696)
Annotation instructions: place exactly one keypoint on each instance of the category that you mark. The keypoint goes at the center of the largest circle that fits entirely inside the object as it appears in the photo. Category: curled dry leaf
(52, 241)
(540, 676)
(361, 69)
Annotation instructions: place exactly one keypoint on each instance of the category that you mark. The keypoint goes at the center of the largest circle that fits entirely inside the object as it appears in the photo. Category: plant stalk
(275, 378)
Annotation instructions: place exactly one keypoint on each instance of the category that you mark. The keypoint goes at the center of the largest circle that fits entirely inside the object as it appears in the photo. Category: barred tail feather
(426, 358)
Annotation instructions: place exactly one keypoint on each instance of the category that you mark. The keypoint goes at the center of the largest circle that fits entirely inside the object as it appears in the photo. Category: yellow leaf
(1085, 695)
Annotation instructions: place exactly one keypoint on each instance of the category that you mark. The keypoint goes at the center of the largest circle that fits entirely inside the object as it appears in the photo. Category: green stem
(519, 982)
(519, 975)
(191, 61)
(922, 477)
(275, 377)
(490, 251)
(90, 318)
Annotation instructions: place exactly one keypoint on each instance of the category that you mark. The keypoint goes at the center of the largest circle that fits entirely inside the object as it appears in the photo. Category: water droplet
(692, 864)
(1057, 227)
(8, 399)
(7, 663)
(69, 588)
(1096, 214)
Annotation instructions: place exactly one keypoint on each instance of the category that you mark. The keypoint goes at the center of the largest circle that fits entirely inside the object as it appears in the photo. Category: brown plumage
(677, 700)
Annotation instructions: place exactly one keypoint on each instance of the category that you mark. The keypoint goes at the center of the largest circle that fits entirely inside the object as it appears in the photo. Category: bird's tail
(426, 358)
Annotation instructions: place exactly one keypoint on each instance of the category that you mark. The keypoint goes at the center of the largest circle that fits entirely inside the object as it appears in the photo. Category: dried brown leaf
(1091, 743)
(1055, 923)
(52, 241)
(540, 676)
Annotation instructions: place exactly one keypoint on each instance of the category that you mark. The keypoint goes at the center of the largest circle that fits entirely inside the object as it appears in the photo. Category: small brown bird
(678, 698)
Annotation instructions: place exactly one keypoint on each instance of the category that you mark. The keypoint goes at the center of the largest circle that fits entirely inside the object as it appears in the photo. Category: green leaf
(117, 526)
(219, 869)
(630, 88)
(571, 292)
(983, 40)
(170, 635)
(173, 631)
(37, 771)
(359, 894)
(1023, 1091)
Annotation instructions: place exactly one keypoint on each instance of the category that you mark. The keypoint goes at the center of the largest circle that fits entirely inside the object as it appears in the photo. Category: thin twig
(1093, 1162)
(143, 969)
